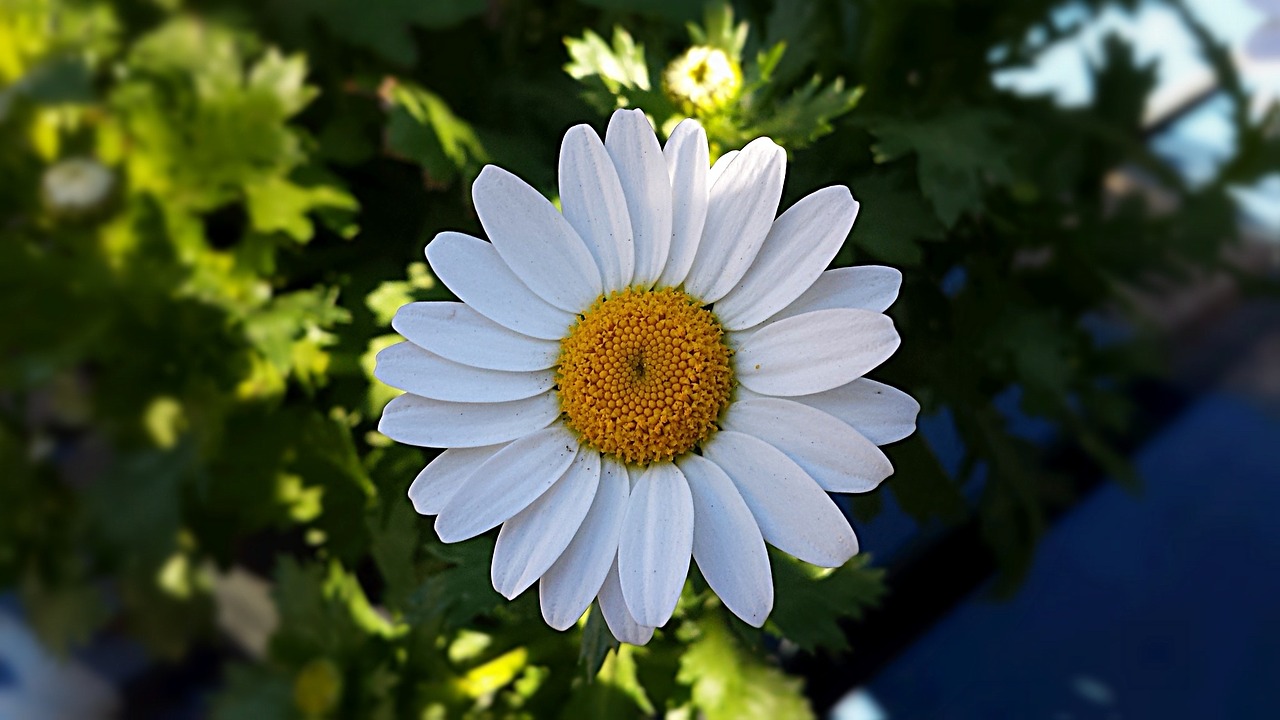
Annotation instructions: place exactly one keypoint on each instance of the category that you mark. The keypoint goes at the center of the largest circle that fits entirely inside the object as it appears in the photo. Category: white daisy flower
(662, 370)
(76, 185)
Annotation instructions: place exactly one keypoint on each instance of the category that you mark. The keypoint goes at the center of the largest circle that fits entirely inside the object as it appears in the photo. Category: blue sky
(1197, 142)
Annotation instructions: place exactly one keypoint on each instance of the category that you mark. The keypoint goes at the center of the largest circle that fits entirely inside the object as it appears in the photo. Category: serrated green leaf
(959, 154)
(422, 128)
(892, 219)
(727, 683)
(810, 602)
(614, 691)
(453, 597)
(807, 113)
(277, 205)
(620, 66)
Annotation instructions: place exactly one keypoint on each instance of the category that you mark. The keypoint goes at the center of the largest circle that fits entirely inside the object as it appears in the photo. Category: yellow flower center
(644, 374)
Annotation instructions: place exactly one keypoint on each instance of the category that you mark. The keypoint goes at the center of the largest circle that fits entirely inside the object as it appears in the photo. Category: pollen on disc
(643, 375)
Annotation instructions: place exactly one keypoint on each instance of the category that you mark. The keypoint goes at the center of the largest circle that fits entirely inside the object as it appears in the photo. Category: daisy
(661, 371)
(76, 185)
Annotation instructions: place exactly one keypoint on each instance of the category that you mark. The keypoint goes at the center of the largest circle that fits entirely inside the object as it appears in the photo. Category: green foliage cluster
(185, 362)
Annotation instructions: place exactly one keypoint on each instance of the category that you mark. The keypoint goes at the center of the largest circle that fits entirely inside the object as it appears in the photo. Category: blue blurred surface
(1159, 606)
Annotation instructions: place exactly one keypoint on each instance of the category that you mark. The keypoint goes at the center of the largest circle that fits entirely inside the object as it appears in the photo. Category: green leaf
(620, 66)
(728, 683)
(719, 31)
(810, 602)
(309, 626)
(327, 456)
(394, 542)
(254, 692)
(806, 114)
(614, 692)
(384, 29)
(1012, 515)
(422, 128)
(137, 504)
(893, 218)
(455, 596)
(958, 155)
(291, 320)
(921, 486)
(278, 205)
(60, 80)
(597, 641)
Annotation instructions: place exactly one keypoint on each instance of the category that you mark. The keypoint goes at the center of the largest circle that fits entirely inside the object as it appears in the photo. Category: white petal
(506, 483)
(866, 287)
(654, 547)
(740, 212)
(795, 252)
(881, 413)
(719, 167)
(643, 172)
(686, 156)
(832, 453)
(535, 240)
(415, 420)
(794, 514)
(457, 332)
(727, 544)
(444, 476)
(595, 206)
(814, 352)
(616, 615)
(408, 367)
(534, 537)
(474, 271)
(566, 590)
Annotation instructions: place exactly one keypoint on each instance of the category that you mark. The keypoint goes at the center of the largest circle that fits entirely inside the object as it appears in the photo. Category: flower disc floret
(644, 374)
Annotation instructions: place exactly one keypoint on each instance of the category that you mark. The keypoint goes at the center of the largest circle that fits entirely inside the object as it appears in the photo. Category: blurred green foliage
(185, 359)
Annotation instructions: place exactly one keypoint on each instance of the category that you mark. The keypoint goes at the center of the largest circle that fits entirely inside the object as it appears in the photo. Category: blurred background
(210, 209)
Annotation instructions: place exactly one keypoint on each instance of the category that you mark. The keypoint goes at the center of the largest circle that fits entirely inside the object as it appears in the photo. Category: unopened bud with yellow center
(702, 80)
(317, 689)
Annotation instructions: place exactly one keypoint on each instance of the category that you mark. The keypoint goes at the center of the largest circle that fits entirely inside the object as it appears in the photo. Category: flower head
(76, 185)
(702, 80)
(661, 371)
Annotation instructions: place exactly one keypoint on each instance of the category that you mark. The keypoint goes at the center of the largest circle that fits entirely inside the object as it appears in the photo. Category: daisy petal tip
(415, 499)
(445, 532)
(508, 587)
(756, 619)
(837, 558)
(556, 619)
(687, 126)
